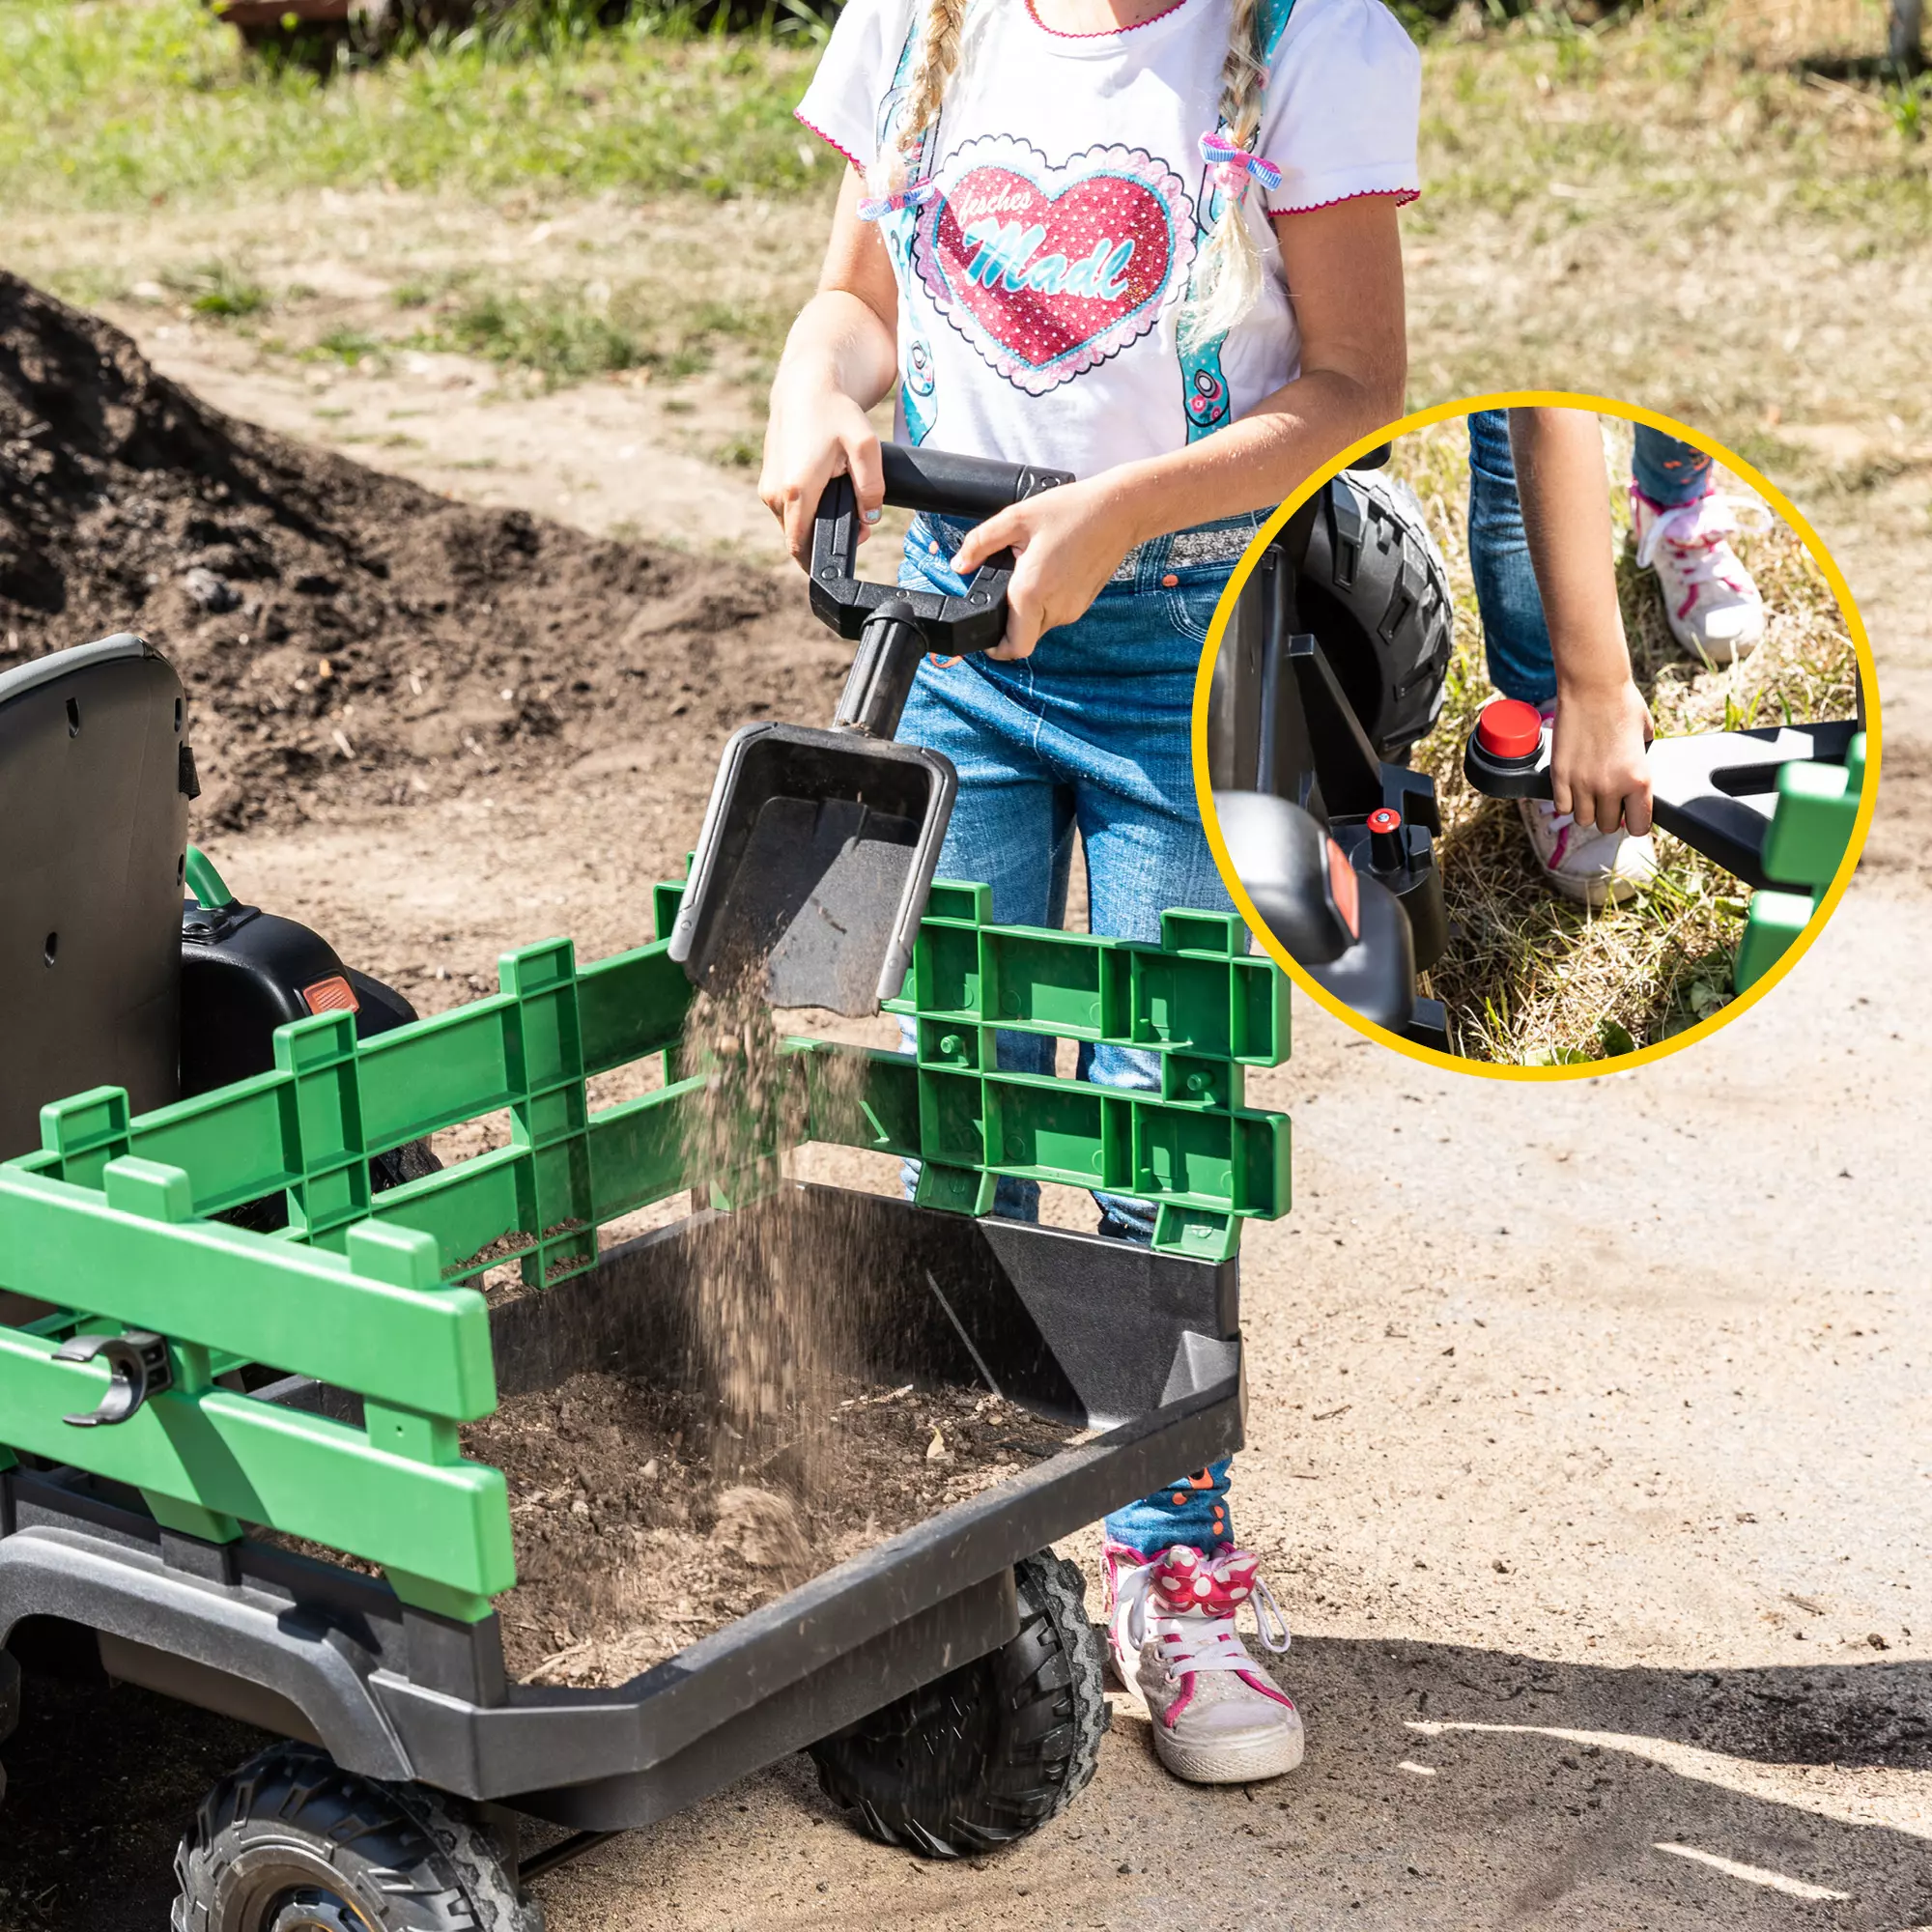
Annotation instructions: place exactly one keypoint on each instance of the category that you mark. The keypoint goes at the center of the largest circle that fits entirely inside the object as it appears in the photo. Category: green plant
(349, 345)
(220, 289)
(566, 331)
(1906, 99)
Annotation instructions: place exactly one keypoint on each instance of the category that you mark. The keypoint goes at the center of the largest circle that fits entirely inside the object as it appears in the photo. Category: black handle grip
(951, 485)
(945, 484)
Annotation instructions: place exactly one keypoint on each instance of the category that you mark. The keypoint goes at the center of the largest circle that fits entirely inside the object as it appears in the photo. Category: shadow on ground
(1445, 1785)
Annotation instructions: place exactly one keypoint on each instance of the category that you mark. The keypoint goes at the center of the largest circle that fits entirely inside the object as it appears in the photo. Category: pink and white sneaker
(1713, 605)
(1218, 1717)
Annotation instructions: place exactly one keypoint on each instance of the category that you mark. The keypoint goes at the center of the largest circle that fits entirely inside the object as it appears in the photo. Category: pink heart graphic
(1047, 271)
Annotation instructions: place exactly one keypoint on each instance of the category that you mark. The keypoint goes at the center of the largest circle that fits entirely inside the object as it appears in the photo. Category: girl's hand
(1598, 772)
(816, 432)
(1067, 543)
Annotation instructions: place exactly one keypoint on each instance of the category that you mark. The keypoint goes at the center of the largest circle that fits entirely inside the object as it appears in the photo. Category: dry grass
(1531, 978)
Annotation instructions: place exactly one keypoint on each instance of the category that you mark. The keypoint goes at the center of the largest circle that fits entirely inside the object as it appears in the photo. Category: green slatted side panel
(112, 1221)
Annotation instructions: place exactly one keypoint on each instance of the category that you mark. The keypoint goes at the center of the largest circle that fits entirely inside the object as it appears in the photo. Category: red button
(1385, 819)
(1510, 729)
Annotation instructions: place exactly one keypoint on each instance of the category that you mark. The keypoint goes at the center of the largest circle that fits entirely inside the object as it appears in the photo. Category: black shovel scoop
(818, 846)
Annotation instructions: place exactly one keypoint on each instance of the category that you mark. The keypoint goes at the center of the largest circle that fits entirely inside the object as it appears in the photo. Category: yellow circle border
(1776, 497)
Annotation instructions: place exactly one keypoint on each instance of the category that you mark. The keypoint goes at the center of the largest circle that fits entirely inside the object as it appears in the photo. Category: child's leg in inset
(1515, 638)
(1577, 861)
(1011, 829)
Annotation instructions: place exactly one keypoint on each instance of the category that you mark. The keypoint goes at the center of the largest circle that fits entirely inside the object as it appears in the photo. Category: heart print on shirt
(1048, 270)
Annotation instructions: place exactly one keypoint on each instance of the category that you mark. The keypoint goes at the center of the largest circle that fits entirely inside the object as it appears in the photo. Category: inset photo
(1539, 733)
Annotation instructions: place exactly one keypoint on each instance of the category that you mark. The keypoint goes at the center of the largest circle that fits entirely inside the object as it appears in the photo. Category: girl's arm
(1597, 766)
(841, 359)
(1344, 268)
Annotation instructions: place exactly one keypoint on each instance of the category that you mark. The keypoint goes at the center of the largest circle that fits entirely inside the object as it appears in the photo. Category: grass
(1531, 978)
(220, 289)
(1715, 206)
(565, 332)
(111, 103)
(1684, 105)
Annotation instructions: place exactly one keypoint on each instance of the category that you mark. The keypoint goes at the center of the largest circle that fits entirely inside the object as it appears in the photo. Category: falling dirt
(631, 1546)
(344, 633)
(769, 1317)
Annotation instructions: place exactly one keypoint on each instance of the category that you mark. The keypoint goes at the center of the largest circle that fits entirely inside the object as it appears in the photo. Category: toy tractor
(239, 1340)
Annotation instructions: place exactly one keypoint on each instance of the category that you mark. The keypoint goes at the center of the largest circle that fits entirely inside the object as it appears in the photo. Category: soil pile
(343, 633)
(631, 1544)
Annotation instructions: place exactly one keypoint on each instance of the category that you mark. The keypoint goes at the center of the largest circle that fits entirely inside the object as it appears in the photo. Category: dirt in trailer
(635, 1536)
(347, 638)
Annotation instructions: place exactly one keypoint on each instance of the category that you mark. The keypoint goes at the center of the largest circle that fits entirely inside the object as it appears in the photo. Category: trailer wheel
(291, 1843)
(992, 1750)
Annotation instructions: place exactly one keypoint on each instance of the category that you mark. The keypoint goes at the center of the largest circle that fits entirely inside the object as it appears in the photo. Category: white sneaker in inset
(1595, 869)
(1713, 605)
(1218, 1717)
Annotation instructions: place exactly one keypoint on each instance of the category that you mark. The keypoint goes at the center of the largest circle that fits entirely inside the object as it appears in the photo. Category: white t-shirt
(1042, 280)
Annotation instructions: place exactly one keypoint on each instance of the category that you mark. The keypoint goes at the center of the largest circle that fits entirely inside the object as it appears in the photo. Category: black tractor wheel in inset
(991, 1752)
(291, 1843)
(1374, 589)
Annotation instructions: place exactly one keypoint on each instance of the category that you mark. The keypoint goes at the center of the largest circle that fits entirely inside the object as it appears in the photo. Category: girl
(1152, 241)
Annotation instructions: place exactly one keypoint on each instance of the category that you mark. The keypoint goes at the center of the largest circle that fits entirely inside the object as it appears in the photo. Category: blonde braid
(1227, 271)
(933, 69)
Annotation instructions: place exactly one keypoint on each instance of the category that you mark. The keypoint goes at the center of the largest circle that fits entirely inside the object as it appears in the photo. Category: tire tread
(1045, 1686)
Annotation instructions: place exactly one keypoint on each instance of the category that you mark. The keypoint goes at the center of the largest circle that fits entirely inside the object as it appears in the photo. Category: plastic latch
(137, 1367)
(334, 995)
(1345, 890)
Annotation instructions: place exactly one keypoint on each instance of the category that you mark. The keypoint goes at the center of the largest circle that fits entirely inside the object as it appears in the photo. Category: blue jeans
(1090, 736)
(1515, 640)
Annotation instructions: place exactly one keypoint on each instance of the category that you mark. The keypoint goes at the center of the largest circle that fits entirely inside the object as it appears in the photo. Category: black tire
(10, 1706)
(412, 1161)
(289, 1843)
(1374, 589)
(992, 1750)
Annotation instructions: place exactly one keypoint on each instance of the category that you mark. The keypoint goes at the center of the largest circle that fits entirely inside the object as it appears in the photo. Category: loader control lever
(1715, 790)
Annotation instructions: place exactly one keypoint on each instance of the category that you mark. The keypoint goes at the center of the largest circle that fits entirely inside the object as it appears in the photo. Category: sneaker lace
(1193, 1640)
(1697, 533)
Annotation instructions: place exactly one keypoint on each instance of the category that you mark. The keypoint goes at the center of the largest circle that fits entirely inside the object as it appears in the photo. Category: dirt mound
(347, 638)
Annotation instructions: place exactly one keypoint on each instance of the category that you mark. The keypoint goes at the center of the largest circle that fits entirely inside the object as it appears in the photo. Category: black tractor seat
(95, 781)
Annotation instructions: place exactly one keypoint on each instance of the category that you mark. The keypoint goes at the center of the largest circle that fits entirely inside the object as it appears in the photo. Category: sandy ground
(1587, 1421)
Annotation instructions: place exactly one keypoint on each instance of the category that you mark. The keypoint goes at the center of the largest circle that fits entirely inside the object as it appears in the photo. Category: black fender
(247, 1653)
(244, 973)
